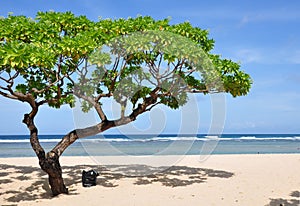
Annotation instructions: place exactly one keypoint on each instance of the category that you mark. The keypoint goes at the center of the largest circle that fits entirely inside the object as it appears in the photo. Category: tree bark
(52, 167)
(48, 162)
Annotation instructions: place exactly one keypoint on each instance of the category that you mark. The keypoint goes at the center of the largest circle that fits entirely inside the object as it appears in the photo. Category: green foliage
(143, 92)
(235, 81)
(50, 56)
(44, 51)
(195, 34)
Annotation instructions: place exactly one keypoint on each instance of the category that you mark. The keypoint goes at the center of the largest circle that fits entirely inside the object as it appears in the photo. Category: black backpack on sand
(89, 178)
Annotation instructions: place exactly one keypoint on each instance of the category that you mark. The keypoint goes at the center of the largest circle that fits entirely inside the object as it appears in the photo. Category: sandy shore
(164, 180)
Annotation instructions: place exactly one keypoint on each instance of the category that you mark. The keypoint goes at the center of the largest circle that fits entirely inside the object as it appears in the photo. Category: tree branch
(29, 121)
(8, 95)
(71, 137)
(152, 106)
(95, 104)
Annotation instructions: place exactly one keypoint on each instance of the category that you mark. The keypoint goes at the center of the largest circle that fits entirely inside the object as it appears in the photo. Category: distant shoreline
(139, 145)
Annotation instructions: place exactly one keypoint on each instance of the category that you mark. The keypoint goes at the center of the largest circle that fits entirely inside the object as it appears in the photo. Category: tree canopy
(44, 53)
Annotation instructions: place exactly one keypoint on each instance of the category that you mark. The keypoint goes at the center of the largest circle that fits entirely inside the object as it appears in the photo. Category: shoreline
(166, 144)
(154, 155)
(248, 179)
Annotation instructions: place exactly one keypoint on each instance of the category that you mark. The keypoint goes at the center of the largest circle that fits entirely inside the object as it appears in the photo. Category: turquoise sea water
(167, 144)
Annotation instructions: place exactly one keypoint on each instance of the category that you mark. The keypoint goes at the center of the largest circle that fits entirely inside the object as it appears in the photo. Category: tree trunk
(49, 162)
(52, 167)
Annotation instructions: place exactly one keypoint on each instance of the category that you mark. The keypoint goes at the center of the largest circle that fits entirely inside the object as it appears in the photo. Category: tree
(56, 56)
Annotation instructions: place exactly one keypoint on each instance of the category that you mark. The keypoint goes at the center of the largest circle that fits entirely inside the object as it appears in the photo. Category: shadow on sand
(175, 176)
(293, 201)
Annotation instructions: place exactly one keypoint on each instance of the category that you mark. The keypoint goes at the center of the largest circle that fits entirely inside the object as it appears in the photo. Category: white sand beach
(220, 180)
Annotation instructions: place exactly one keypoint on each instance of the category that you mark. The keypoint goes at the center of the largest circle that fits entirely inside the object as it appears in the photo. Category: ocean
(166, 144)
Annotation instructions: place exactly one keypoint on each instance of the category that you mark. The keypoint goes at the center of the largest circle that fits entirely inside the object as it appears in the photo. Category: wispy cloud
(294, 57)
(267, 55)
(243, 15)
(249, 56)
(270, 15)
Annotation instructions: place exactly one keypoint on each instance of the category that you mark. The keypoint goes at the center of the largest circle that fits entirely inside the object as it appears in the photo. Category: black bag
(89, 178)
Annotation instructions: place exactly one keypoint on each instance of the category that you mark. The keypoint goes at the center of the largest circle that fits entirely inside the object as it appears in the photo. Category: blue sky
(263, 35)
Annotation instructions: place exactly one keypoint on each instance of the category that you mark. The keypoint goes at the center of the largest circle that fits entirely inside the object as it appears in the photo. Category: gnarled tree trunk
(48, 162)
(52, 167)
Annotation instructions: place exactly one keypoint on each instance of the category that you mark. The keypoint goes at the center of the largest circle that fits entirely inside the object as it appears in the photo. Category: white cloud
(260, 55)
(294, 57)
(249, 55)
(245, 125)
(269, 55)
(270, 15)
(241, 15)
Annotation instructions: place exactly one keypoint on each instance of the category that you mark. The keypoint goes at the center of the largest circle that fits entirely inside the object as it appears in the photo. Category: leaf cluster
(45, 51)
